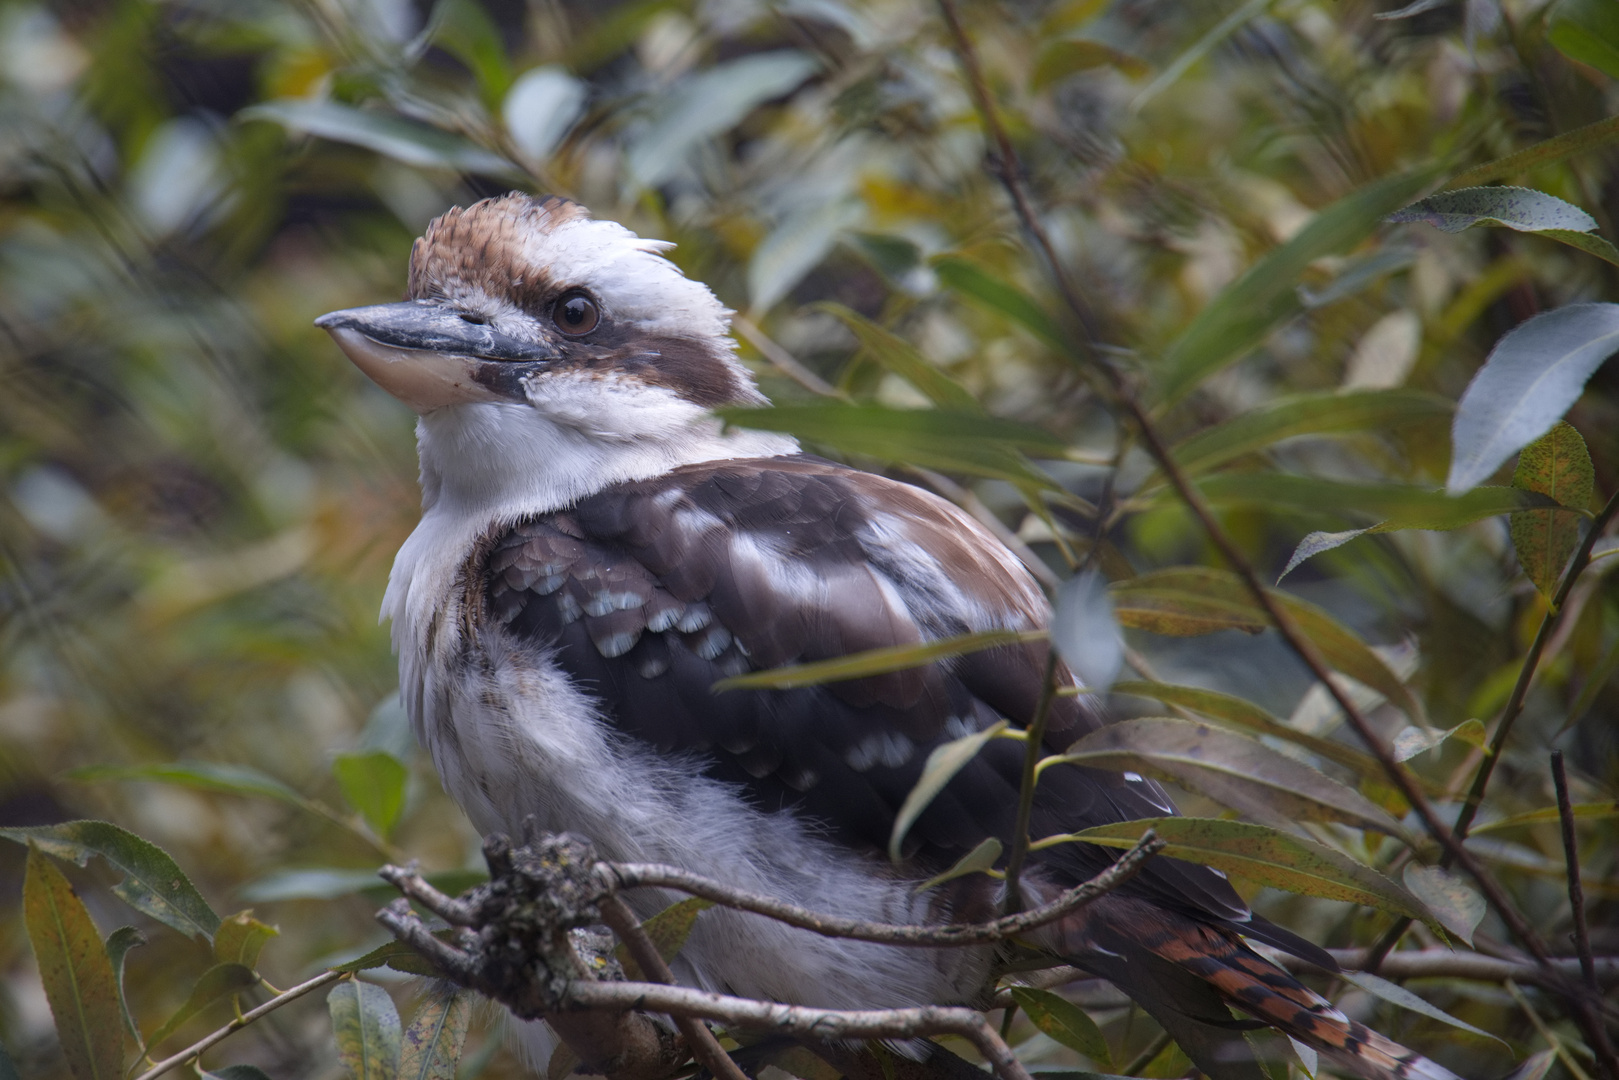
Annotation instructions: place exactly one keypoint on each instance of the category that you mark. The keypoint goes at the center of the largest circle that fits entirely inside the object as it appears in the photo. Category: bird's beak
(428, 356)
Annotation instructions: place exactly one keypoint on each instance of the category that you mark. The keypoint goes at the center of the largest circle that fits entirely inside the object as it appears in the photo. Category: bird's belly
(514, 738)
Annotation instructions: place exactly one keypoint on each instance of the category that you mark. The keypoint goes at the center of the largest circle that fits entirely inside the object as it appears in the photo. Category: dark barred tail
(1185, 972)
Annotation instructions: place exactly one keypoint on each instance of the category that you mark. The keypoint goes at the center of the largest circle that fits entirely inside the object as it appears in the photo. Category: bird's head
(517, 297)
(537, 338)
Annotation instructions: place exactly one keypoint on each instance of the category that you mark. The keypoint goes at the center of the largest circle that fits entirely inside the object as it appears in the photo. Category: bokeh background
(200, 498)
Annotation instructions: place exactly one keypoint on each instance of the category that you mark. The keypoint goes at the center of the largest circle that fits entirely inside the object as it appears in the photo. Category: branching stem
(196, 1049)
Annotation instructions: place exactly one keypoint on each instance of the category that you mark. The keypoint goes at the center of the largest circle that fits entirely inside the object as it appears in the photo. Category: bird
(596, 550)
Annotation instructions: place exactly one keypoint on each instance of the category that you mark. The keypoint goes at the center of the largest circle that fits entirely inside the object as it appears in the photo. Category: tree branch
(196, 1049)
(1571, 854)
(653, 875)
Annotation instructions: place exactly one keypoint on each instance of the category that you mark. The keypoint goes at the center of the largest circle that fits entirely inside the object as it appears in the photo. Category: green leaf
(1231, 769)
(1266, 856)
(1396, 506)
(1556, 465)
(979, 285)
(900, 356)
(240, 938)
(1541, 154)
(1060, 59)
(385, 133)
(391, 954)
(217, 983)
(708, 104)
(373, 782)
(1235, 710)
(119, 942)
(433, 1042)
(1529, 380)
(1399, 995)
(942, 766)
(976, 861)
(874, 661)
(1521, 209)
(1454, 902)
(796, 246)
(1549, 814)
(1063, 1021)
(1589, 243)
(1315, 543)
(1586, 31)
(932, 438)
(367, 1028)
(1248, 309)
(1341, 647)
(1357, 273)
(1307, 414)
(668, 930)
(237, 1072)
(1180, 612)
(1412, 741)
(463, 29)
(152, 883)
(313, 883)
(198, 775)
(78, 976)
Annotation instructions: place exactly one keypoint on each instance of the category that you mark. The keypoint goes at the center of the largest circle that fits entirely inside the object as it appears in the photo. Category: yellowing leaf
(433, 1042)
(1558, 465)
(1064, 1021)
(942, 766)
(78, 976)
(668, 930)
(1453, 901)
(366, 1026)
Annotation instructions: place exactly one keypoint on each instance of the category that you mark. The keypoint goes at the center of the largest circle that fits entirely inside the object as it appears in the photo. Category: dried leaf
(78, 976)
(1556, 465)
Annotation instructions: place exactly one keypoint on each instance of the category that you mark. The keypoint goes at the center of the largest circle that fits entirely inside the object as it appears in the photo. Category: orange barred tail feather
(1185, 972)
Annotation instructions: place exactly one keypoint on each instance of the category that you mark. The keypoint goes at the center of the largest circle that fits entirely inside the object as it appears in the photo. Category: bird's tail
(1182, 971)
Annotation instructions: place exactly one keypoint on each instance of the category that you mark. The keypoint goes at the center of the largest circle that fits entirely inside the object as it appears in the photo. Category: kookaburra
(596, 550)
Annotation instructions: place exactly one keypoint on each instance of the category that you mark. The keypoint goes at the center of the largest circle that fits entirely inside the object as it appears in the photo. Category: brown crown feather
(481, 248)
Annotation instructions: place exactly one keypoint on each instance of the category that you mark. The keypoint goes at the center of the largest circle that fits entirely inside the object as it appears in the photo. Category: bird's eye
(575, 314)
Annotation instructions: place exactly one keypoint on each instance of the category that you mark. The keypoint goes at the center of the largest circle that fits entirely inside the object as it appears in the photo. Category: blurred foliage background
(200, 498)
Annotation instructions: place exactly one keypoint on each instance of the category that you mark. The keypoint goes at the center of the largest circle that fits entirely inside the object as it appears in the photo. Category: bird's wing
(650, 592)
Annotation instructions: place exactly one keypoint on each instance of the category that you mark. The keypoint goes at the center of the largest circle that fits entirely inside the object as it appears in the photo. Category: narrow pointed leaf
(942, 766)
(1522, 209)
(1556, 465)
(874, 661)
(1586, 31)
(119, 942)
(385, 133)
(1069, 56)
(1530, 379)
(1180, 612)
(80, 985)
(240, 938)
(1314, 544)
(373, 782)
(1549, 815)
(979, 285)
(668, 930)
(1394, 506)
(932, 438)
(152, 883)
(392, 954)
(1454, 902)
(1266, 856)
(1405, 999)
(217, 983)
(367, 1028)
(1307, 414)
(433, 1042)
(901, 357)
(1541, 154)
(1244, 312)
(199, 776)
(237, 1072)
(1590, 243)
(1064, 1021)
(1246, 714)
(1231, 769)
(976, 861)
(1414, 740)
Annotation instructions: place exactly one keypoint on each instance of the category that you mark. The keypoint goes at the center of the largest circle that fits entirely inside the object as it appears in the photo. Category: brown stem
(652, 875)
(704, 1047)
(195, 1050)
(1571, 854)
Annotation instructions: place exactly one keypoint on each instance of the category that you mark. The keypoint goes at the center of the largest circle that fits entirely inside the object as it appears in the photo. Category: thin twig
(785, 362)
(797, 1020)
(1034, 739)
(197, 1048)
(704, 1047)
(1531, 663)
(1444, 963)
(1145, 1058)
(1571, 853)
(653, 875)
